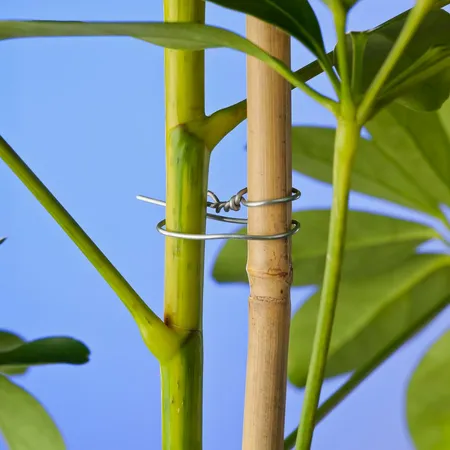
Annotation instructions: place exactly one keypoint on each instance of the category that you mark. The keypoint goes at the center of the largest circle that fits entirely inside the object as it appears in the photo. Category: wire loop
(233, 204)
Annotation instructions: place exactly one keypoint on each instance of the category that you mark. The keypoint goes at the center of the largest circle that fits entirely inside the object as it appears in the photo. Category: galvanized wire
(233, 204)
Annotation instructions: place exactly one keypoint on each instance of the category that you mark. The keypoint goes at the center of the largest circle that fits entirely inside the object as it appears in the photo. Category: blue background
(87, 115)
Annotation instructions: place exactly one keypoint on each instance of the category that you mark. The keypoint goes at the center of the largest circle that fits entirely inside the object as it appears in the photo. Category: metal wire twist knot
(233, 204)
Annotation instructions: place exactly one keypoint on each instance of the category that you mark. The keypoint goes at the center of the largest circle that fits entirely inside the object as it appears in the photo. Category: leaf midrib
(413, 201)
(427, 233)
(410, 180)
(426, 159)
(409, 284)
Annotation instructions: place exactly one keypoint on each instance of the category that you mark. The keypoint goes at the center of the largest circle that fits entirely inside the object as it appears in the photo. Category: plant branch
(347, 137)
(340, 21)
(327, 65)
(296, 81)
(214, 128)
(367, 369)
(161, 340)
(413, 22)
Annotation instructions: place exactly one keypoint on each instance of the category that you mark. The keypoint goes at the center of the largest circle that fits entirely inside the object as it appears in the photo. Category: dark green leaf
(9, 341)
(52, 350)
(2, 240)
(24, 423)
(182, 36)
(406, 162)
(371, 313)
(374, 243)
(424, 94)
(428, 398)
(296, 17)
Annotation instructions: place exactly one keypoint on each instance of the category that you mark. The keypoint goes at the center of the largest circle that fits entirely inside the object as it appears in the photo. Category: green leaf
(181, 36)
(406, 162)
(424, 93)
(52, 350)
(9, 341)
(371, 313)
(444, 117)
(2, 240)
(24, 423)
(424, 85)
(418, 144)
(428, 398)
(296, 17)
(374, 244)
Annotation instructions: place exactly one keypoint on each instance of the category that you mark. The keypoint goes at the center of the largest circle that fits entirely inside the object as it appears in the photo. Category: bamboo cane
(269, 262)
(186, 187)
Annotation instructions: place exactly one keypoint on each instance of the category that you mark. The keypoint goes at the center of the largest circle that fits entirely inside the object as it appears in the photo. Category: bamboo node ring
(233, 204)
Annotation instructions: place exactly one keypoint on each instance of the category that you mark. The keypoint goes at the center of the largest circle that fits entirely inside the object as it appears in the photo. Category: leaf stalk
(160, 339)
(340, 20)
(362, 373)
(415, 17)
(347, 136)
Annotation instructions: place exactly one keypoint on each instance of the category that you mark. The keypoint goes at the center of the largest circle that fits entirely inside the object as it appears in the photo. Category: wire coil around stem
(233, 204)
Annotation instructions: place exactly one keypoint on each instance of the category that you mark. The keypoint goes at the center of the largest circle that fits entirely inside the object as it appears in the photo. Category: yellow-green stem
(347, 136)
(187, 162)
(413, 22)
(340, 21)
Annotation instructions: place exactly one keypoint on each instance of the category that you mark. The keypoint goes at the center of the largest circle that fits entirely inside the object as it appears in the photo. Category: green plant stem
(160, 339)
(327, 65)
(340, 21)
(347, 136)
(325, 101)
(187, 162)
(363, 372)
(412, 23)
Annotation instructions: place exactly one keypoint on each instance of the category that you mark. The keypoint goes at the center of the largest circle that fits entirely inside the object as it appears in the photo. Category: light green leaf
(296, 17)
(428, 398)
(9, 341)
(406, 162)
(417, 143)
(424, 93)
(374, 243)
(24, 422)
(52, 350)
(371, 313)
(181, 36)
